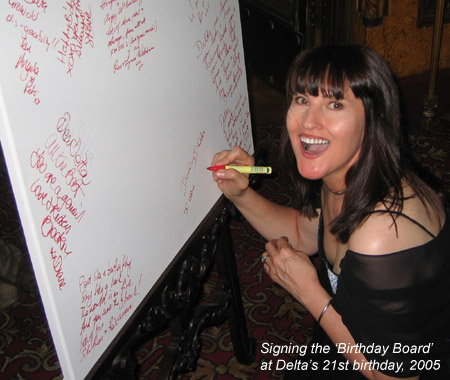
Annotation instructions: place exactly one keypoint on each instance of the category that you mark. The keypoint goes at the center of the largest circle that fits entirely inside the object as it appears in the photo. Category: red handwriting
(28, 74)
(61, 167)
(219, 50)
(80, 160)
(129, 33)
(57, 267)
(78, 33)
(106, 299)
(107, 4)
(236, 124)
(24, 11)
(54, 155)
(192, 163)
(187, 205)
(55, 204)
(64, 153)
(48, 229)
(56, 225)
(28, 68)
(200, 10)
(24, 45)
(23, 14)
(38, 3)
(39, 37)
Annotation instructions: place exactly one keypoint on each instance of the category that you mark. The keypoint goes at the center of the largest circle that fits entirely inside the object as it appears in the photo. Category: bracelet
(324, 310)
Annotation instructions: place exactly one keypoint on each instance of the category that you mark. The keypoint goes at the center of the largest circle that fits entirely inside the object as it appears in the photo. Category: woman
(383, 294)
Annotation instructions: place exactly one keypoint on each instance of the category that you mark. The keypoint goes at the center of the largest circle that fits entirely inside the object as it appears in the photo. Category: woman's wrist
(324, 310)
(317, 302)
(243, 200)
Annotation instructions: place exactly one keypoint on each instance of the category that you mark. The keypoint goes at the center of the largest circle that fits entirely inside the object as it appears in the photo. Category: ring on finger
(264, 258)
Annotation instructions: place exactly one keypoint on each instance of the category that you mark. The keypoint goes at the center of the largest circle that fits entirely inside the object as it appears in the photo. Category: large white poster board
(110, 112)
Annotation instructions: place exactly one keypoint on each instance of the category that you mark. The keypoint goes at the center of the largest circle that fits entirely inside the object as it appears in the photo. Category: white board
(110, 113)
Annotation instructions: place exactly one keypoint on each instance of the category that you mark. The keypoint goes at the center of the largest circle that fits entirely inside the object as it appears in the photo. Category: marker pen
(244, 169)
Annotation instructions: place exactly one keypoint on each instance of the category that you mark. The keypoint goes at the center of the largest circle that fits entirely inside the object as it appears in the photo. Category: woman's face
(326, 135)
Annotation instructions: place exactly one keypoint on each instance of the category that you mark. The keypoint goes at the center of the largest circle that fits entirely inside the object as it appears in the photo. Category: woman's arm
(268, 218)
(295, 272)
(272, 220)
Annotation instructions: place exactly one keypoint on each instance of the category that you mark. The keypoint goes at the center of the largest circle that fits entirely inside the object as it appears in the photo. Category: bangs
(312, 81)
(328, 71)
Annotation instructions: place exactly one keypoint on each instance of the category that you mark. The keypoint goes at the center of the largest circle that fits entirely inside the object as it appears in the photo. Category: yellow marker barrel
(251, 169)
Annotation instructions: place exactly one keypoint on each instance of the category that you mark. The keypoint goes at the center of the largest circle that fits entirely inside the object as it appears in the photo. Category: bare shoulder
(383, 233)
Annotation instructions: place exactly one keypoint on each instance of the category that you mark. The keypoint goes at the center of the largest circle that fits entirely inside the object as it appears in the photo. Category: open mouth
(314, 145)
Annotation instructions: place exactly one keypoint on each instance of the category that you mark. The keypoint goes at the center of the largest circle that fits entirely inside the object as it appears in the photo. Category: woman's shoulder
(385, 232)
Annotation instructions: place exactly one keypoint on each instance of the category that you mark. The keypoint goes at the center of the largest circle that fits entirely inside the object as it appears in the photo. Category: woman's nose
(312, 118)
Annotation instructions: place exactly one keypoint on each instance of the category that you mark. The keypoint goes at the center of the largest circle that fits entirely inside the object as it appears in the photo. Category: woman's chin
(309, 173)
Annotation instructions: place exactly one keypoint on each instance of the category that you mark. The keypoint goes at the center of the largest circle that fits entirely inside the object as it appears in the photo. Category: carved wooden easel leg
(177, 347)
(243, 345)
(184, 349)
(185, 344)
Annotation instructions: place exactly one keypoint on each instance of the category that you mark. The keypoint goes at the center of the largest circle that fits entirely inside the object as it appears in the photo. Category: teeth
(310, 141)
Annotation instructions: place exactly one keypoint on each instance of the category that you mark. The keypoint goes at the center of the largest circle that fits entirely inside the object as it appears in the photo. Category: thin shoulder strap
(406, 217)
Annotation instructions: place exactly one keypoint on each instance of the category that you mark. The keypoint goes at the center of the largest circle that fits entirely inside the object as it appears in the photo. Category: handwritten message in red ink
(187, 188)
(23, 13)
(29, 9)
(77, 34)
(129, 33)
(235, 124)
(199, 10)
(61, 180)
(106, 299)
(219, 49)
(220, 53)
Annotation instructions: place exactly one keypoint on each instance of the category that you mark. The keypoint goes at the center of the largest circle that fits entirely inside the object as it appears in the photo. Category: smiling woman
(379, 228)
(360, 117)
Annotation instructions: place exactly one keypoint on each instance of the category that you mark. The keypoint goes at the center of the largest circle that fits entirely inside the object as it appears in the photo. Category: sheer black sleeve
(400, 301)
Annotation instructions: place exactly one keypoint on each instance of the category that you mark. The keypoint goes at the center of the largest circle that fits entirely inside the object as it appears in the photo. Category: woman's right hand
(232, 183)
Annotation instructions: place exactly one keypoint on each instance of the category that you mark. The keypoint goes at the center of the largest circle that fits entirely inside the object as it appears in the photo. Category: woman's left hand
(291, 269)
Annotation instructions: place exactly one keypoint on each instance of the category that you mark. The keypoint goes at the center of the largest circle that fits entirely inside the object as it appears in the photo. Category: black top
(399, 301)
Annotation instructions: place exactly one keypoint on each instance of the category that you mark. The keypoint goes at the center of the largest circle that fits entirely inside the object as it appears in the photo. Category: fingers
(230, 182)
(235, 156)
(273, 249)
(275, 245)
(290, 268)
(280, 251)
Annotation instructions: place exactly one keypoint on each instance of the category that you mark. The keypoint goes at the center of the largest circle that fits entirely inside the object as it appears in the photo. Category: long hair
(377, 177)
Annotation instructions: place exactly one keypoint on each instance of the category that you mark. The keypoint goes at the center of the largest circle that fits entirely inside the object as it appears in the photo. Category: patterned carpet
(273, 317)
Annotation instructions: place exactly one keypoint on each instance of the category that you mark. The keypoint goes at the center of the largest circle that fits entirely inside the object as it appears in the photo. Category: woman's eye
(301, 100)
(336, 105)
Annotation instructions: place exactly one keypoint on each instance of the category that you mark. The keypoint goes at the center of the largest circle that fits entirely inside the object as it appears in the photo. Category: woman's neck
(333, 191)
(331, 204)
